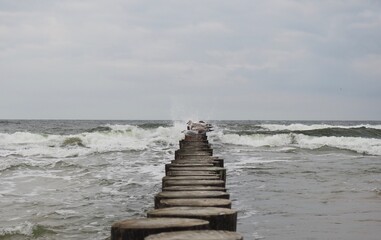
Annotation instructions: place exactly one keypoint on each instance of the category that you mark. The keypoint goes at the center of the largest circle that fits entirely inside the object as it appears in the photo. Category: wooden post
(219, 218)
(197, 235)
(194, 188)
(189, 178)
(168, 165)
(217, 183)
(215, 162)
(198, 137)
(188, 195)
(192, 177)
(196, 144)
(193, 173)
(221, 171)
(193, 202)
(138, 229)
(194, 151)
(193, 157)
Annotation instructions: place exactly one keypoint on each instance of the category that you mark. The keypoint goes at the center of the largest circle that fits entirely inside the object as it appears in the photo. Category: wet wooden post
(138, 229)
(194, 188)
(197, 235)
(188, 195)
(218, 170)
(215, 183)
(196, 202)
(219, 218)
(169, 165)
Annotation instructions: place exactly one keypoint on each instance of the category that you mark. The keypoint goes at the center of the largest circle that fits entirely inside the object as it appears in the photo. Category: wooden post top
(197, 169)
(193, 202)
(158, 223)
(194, 188)
(191, 177)
(197, 235)
(192, 194)
(190, 212)
(219, 183)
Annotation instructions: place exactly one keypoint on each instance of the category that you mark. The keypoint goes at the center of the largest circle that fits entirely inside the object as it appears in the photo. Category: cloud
(246, 55)
(369, 66)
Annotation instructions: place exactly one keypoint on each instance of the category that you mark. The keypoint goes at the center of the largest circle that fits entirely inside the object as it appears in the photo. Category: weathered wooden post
(194, 188)
(216, 183)
(188, 195)
(189, 178)
(168, 165)
(219, 218)
(197, 235)
(138, 229)
(218, 170)
(195, 202)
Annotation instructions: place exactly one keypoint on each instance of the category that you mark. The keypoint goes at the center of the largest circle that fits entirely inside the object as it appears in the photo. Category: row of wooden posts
(193, 204)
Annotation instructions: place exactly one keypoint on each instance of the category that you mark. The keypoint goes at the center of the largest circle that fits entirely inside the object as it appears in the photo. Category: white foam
(361, 145)
(287, 141)
(257, 140)
(66, 212)
(304, 127)
(25, 228)
(120, 138)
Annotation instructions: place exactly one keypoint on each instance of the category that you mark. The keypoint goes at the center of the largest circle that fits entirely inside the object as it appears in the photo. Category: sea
(71, 179)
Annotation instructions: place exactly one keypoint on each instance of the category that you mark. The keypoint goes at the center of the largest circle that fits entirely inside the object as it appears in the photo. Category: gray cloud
(276, 59)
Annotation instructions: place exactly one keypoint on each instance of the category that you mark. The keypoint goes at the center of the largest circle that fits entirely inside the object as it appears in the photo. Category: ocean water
(288, 180)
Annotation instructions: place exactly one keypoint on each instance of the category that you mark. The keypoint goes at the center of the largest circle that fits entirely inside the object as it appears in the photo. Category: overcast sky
(176, 59)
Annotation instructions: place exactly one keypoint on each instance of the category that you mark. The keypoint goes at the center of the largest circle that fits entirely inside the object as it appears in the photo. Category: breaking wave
(102, 139)
(360, 145)
(305, 127)
(319, 130)
(24, 229)
(364, 139)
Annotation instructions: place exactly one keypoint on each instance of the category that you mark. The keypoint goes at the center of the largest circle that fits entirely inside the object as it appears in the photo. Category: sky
(183, 59)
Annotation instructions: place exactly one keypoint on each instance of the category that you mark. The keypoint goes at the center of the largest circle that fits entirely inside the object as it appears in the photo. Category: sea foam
(305, 127)
(369, 146)
(25, 228)
(119, 138)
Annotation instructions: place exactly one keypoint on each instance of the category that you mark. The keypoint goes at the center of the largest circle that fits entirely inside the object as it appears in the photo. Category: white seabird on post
(200, 127)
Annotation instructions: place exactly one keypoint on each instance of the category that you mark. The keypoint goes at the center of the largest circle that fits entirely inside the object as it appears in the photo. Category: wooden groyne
(193, 203)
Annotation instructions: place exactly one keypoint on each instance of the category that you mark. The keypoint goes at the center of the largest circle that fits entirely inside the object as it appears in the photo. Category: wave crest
(25, 229)
(305, 127)
(360, 145)
(107, 138)
(73, 141)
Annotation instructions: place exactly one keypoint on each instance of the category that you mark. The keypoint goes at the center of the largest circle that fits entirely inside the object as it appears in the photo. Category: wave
(107, 138)
(25, 229)
(360, 145)
(125, 137)
(344, 132)
(100, 129)
(73, 141)
(365, 130)
(306, 127)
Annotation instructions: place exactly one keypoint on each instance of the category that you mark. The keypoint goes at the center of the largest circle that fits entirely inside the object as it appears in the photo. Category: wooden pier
(194, 202)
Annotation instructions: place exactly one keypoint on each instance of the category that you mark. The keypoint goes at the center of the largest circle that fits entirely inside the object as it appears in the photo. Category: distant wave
(344, 132)
(102, 139)
(304, 127)
(364, 138)
(318, 130)
(100, 129)
(369, 146)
